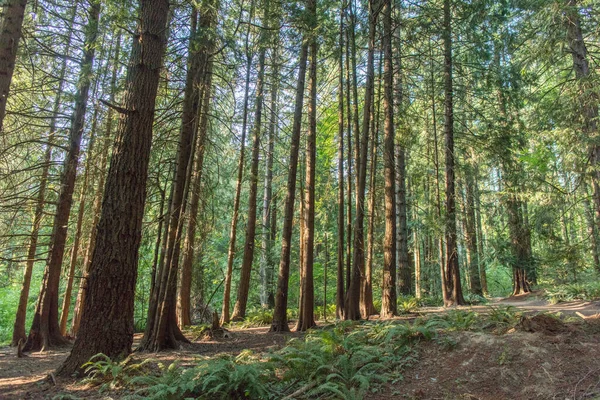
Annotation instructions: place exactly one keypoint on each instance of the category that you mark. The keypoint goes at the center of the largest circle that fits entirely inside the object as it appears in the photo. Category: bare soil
(543, 358)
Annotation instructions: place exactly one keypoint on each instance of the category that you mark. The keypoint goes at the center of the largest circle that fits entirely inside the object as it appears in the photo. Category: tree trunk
(225, 312)
(281, 297)
(358, 258)
(97, 206)
(45, 331)
(107, 320)
(162, 331)
(454, 294)
(19, 333)
(388, 299)
(306, 318)
(588, 95)
(239, 310)
(64, 315)
(480, 238)
(471, 233)
(205, 65)
(10, 35)
(339, 289)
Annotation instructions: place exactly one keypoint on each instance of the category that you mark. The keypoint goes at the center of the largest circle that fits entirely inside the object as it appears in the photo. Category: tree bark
(339, 289)
(107, 320)
(45, 331)
(388, 298)
(10, 35)
(453, 294)
(358, 258)
(471, 233)
(97, 205)
(279, 323)
(306, 318)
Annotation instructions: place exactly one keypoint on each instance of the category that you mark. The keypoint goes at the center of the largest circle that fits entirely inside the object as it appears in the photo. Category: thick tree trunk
(281, 297)
(107, 320)
(225, 312)
(358, 258)
(45, 331)
(388, 299)
(10, 35)
(97, 205)
(306, 318)
(239, 310)
(19, 333)
(349, 160)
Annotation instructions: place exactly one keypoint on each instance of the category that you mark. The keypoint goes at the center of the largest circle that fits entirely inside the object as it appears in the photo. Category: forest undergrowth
(344, 360)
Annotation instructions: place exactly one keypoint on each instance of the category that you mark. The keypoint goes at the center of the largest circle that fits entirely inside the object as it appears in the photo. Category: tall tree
(45, 331)
(97, 204)
(307, 289)
(339, 292)
(280, 323)
(225, 313)
(239, 310)
(352, 309)
(207, 21)
(388, 299)
(453, 295)
(113, 270)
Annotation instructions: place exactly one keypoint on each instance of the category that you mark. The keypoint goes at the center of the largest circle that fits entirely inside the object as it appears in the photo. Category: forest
(317, 199)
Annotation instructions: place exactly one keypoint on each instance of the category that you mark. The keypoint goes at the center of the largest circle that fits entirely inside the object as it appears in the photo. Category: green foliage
(407, 305)
(576, 291)
(109, 374)
(456, 320)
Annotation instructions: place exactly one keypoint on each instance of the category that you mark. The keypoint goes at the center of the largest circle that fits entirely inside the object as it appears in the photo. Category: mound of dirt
(542, 323)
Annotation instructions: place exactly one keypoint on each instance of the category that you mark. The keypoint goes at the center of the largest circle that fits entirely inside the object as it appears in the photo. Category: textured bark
(225, 312)
(239, 310)
(19, 325)
(10, 35)
(97, 205)
(45, 331)
(358, 257)
(388, 299)
(350, 163)
(107, 320)
(207, 21)
(453, 295)
(279, 323)
(306, 318)
(339, 287)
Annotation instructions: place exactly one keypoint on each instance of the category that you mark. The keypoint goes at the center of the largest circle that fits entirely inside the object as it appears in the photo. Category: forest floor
(551, 361)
